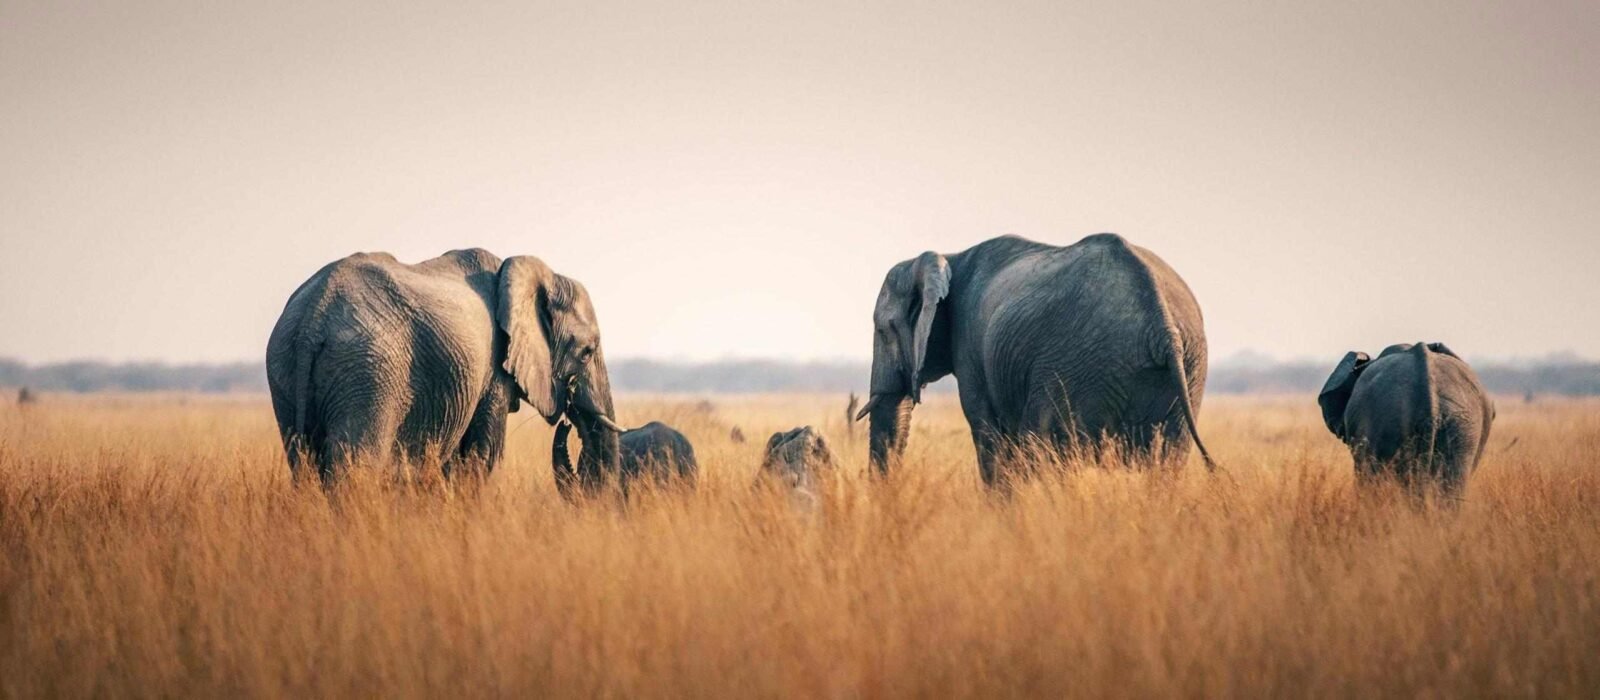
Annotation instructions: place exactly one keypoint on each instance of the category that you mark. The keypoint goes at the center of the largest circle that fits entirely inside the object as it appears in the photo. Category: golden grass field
(154, 546)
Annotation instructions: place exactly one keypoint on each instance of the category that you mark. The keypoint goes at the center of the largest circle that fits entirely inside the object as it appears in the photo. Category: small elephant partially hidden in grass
(798, 460)
(1417, 413)
(654, 451)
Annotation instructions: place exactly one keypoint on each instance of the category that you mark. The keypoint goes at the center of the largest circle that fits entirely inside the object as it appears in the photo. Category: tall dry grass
(157, 547)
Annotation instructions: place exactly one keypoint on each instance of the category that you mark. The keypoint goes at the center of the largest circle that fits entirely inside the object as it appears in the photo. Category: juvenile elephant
(1417, 412)
(798, 460)
(374, 359)
(1099, 339)
(652, 451)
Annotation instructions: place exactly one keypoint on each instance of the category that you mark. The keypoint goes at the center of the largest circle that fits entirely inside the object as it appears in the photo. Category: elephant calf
(798, 459)
(1417, 413)
(654, 451)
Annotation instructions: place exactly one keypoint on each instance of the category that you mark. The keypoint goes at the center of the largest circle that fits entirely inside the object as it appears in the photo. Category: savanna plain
(156, 546)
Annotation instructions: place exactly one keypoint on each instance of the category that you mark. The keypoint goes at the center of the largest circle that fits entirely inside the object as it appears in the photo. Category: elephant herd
(1081, 348)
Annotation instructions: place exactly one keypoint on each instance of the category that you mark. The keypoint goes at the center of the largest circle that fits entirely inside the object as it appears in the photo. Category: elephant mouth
(576, 411)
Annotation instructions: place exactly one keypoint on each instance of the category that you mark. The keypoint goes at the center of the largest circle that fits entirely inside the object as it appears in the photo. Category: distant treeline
(1563, 376)
(87, 376)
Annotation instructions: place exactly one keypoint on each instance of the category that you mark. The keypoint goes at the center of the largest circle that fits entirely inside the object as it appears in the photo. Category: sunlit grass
(155, 546)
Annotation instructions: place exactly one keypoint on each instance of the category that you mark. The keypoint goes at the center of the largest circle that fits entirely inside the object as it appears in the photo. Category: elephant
(1417, 412)
(652, 451)
(378, 360)
(798, 459)
(1078, 346)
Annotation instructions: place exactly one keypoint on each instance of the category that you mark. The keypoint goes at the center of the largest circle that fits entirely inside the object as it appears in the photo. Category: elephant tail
(308, 345)
(1167, 343)
(304, 364)
(1185, 405)
(1428, 397)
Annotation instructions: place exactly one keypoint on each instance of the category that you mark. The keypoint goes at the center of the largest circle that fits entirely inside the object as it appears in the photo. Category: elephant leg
(363, 434)
(1370, 470)
(304, 455)
(1051, 415)
(1152, 428)
(295, 445)
(1458, 443)
(986, 438)
(987, 442)
(483, 444)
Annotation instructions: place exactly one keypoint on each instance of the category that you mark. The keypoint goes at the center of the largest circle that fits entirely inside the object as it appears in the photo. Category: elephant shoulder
(656, 426)
(1002, 249)
(358, 265)
(1388, 369)
(1113, 240)
(474, 259)
(360, 269)
(1396, 349)
(371, 258)
(463, 262)
(661, 431)
(1103, 248)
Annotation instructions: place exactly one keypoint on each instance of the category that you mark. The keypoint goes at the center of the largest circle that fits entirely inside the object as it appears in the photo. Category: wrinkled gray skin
(377, 360)
(1067, 344)
(798, 460)
(653, 451)
(1417, 413)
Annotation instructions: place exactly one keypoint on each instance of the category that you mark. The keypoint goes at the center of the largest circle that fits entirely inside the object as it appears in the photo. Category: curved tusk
(607, 422)
(872, 403)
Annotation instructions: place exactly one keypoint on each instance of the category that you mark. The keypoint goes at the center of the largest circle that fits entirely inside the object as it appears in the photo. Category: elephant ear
(1443, 349)
(523, 283)
(774, 441)
(930, 274)
(1335, 395)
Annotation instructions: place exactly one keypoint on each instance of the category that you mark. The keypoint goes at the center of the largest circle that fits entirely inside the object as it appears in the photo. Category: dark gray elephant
(1417, 413)
(653, 451)
(377, 360)
(1067, 344)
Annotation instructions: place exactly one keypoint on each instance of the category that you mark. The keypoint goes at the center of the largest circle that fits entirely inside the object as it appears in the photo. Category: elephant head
(554, 358)
(1335, 395)
(905, 337)
(797, 457)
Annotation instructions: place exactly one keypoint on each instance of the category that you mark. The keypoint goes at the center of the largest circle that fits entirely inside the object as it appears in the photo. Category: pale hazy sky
(734, 178)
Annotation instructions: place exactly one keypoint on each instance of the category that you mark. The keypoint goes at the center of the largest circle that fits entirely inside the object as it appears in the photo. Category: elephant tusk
(608, 423)
(872, 403)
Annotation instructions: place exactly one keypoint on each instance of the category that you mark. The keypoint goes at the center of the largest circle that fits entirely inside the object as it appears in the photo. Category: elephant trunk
(561, 462)
(890, 424)
(593, 413)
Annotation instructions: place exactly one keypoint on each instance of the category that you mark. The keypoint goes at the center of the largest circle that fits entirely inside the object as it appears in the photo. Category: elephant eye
(585, 352)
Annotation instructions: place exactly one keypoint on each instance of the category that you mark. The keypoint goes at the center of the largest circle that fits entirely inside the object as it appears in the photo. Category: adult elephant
(1417, 413)
(374, 359)
(1073, 345)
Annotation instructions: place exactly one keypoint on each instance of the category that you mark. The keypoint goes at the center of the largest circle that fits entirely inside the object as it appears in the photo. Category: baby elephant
(798, 459)
(1417, 413)
(654, 451)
